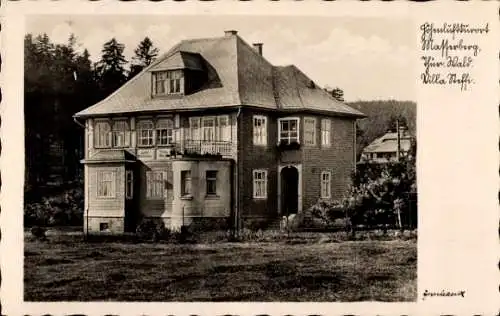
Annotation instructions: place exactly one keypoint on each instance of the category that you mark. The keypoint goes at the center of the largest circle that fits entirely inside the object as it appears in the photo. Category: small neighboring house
(384, 149)
(213, 132)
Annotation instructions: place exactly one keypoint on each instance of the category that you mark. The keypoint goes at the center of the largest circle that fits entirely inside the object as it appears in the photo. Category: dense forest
(58, 82)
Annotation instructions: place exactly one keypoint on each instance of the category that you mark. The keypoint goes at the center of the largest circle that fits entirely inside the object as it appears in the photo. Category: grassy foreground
(68, 269)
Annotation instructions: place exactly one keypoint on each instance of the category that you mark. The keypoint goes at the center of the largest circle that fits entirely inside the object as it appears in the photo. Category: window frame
(155, 184)
(326, 132)
(129, 180)
(158, 131)
(256, 181)
(259, 139)
(211, 129)
(139, 131)
(306, 131)
(125, 133)
(186, 175)
(170, 80)
(326, 184)
(97, 134)
(211, 179)
(222, 130)
(100, 184)
(289, 139)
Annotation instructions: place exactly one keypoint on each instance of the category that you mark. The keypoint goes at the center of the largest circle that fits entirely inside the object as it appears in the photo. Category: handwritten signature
(443, 293)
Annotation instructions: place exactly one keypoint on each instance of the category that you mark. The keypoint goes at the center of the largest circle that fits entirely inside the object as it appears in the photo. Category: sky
(368, 58)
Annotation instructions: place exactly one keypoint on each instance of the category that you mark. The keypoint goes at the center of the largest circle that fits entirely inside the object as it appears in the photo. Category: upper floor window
(288, 130)
(310, 131)
(102, 134)
(120, 134)
(165, 132)
(325, 132)
(259, 130)
(145, 133)
(209, 128)
(167, 82)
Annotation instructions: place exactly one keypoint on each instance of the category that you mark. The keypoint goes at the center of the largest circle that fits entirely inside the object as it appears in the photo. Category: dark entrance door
(289, 190)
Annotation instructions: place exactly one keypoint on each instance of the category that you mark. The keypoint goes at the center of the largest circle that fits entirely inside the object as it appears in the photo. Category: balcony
(288, 145)
(204, 148)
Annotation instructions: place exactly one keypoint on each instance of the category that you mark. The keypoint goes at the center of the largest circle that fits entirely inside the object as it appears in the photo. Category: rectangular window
(105, 184)
(174, 81)
(159, 82)
(288, 130)
(310, 131)
(208, 128)
(186, 183)
(167, 82)
(120, 134)
(145, 133)
(102, 133)
(211, 176)
(326, 184)
(165, 132)
(154, 184)
(260, 184)
(259, 130)
(129, 184)
(194, 126)
(325, 132)
(224, 130)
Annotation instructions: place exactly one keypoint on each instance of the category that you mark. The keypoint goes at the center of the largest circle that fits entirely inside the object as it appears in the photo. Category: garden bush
(38, 233)
(151, 230)
(64, 208)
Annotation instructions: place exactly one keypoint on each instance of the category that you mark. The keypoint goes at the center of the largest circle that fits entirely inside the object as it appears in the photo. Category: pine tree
(145, 54)
(110, 69)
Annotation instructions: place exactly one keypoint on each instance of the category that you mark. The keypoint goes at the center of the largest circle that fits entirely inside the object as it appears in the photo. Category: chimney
(258, 47)
(230, 32)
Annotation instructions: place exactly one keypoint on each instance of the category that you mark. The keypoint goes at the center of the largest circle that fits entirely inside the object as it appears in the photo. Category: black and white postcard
(224, 154)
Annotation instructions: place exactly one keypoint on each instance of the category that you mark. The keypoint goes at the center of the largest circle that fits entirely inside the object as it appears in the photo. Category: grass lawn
(68, 269)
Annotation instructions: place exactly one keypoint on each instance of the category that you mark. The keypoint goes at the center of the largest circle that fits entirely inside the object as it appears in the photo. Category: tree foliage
(145, 54)
(110, 69)
(381, 117)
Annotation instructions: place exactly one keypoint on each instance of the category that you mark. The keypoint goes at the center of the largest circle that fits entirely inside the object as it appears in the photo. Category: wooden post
(398, 151)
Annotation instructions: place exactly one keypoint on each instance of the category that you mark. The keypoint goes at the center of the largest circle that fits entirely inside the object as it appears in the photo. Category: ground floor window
(326, 184)
(260, 184)
(154, 184)
(211, 176)
(186, 183)
(129, 184)
(105, 184)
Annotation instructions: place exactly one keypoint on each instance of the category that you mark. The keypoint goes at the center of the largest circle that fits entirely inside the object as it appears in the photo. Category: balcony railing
(205, 147)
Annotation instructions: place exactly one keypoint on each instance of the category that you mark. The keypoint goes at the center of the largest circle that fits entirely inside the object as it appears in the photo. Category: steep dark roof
(238, 75)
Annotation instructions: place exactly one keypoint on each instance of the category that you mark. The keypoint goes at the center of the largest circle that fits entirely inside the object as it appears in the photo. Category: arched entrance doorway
(289, 190)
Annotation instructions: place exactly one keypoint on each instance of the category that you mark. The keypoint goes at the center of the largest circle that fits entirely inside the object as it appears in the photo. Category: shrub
(151, 230)
(63, 208)
(38, 233)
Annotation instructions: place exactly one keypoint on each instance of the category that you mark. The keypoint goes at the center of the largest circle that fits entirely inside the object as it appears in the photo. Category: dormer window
(168, 82)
